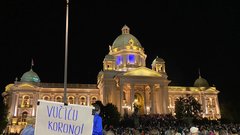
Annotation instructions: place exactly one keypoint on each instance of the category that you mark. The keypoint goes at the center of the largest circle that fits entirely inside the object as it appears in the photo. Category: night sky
(188, 35)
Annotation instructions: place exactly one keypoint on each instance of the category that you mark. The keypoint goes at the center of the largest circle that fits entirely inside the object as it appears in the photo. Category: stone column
(52, 97)
(14, 104)
(203, 107)
(76, 99)
(152, 99)
(145, 100)
(124, 61)
(160, 94)
(88, 99)
(34, 103)
(165, 99)
(103, 95)
(217, 105)
(131, 95)
(121, 99)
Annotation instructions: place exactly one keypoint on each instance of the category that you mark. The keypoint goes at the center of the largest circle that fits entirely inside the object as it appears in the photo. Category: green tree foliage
(3, 117)
(187, 109)
(179, 108)
(111, 116)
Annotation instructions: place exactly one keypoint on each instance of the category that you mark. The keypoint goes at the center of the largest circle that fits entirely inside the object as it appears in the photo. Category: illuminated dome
(125, 39)
(109, 57)
(201, 82)
(30, 76)
(158, 61)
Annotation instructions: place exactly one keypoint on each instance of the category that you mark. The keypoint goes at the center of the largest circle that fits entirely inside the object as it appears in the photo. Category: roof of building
(158, 60)
(109, 57)
(125, 39)
(30, 76)
(201, 82)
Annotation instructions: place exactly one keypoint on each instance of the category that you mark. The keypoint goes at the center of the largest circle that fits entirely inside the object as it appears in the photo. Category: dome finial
(32, 64)
(110, 48)
(199, 73)
(125, 29)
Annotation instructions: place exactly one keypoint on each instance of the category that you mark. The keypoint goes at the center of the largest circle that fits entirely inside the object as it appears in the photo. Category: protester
(97, 121)
(29, 129)
(194, 131)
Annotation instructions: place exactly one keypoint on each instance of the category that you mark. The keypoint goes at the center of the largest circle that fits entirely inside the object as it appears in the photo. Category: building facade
(124, 81)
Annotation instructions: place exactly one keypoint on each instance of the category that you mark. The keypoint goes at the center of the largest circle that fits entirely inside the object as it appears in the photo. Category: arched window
(119, 60)
(25, 101)
(83, 100)
(131, 59)
(71, 100)
(47, 98)
(208, 102)
(93, 99)
(24, 116)
(58, 99)
(124, 95)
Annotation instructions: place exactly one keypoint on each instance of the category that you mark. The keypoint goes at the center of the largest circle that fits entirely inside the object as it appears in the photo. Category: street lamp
(66, 56)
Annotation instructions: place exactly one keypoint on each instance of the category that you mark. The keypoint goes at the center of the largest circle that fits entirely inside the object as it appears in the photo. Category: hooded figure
(29, 129)
(97, 121)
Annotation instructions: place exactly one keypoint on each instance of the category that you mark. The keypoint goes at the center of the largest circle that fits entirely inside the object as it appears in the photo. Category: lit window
(58, 99)
(25, 101)
(24, 116)
(93, 100)
(71, 100)
(46, 98)
(119, 60)
(131, 58)
(83, 100)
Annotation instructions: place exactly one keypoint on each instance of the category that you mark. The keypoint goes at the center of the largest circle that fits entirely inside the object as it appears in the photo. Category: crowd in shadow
(158, 124)
(168, 125)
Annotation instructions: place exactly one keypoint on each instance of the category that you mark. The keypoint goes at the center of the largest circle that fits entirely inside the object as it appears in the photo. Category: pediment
(26, 85)
(211, 89)
(142, 71)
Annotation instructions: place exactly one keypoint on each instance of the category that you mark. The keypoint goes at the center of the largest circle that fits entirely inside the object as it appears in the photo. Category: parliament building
(123, 81)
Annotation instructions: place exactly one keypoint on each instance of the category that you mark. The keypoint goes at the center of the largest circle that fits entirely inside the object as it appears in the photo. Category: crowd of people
(169, 125)
(157, 124)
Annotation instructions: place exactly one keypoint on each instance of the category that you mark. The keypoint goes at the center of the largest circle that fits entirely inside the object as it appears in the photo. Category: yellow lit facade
(124, 80)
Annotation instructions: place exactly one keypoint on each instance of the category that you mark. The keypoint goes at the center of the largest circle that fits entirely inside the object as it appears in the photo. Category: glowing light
(128, 47)
(119, 60)
(148, 109)
(143, 71)
(135, 47)
(131, 58)
(14, 121)
(115, 50)
(26, 85)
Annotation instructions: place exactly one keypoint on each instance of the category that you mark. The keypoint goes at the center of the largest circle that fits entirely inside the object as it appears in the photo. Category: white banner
(55, 118)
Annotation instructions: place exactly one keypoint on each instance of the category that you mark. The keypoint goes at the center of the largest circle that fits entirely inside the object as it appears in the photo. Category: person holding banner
(97, 121)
